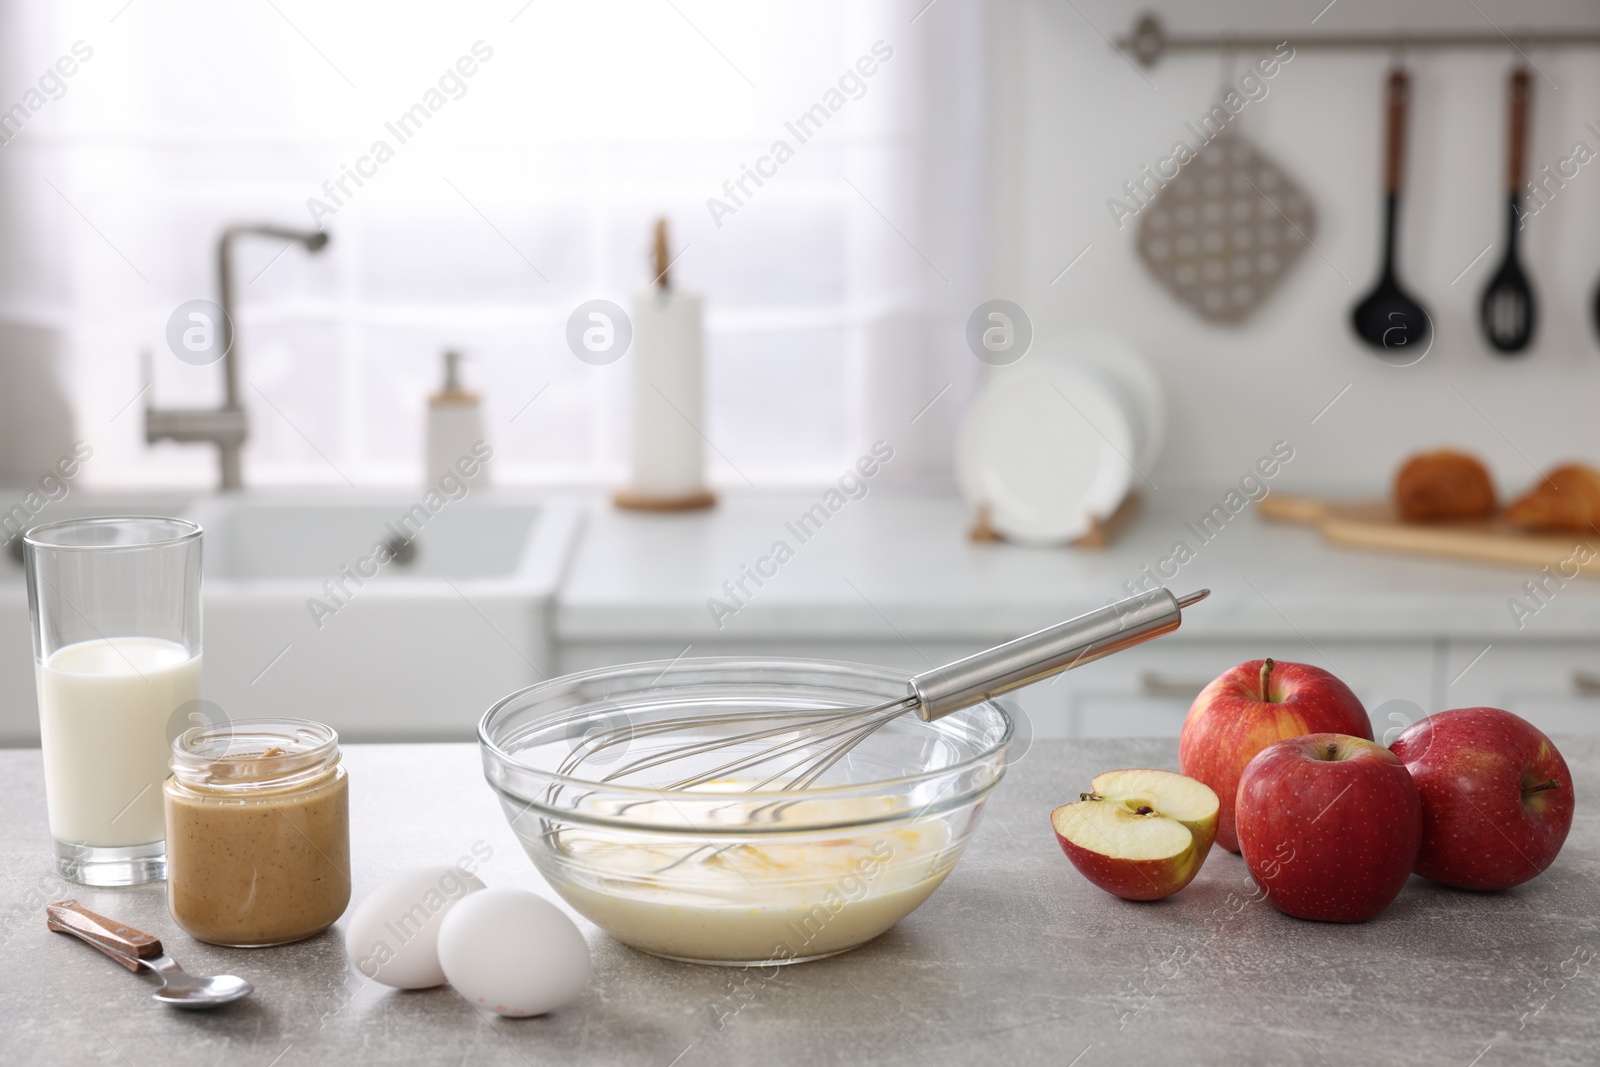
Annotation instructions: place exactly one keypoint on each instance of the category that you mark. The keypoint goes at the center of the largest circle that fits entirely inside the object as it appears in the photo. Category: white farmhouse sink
(255, 539)
(303, 619)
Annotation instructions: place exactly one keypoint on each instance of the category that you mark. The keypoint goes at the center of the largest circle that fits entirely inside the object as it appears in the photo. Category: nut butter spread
(258, 832)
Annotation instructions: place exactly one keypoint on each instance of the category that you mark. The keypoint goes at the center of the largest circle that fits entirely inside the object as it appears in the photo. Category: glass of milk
(115, 606)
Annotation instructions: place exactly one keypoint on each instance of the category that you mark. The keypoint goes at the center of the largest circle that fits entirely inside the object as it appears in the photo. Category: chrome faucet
(226, 427)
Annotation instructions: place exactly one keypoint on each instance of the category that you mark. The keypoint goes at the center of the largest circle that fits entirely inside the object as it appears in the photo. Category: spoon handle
(1521, 91)
(123, 943)
(1399, 97)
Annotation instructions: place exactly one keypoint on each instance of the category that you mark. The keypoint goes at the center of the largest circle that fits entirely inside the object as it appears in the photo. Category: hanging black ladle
(1508, 310)
(1389, 319)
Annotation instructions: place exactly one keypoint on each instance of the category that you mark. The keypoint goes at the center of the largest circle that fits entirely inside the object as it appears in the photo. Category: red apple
(1139, 834)
(1496, 797)
(1248, 708)
(1329, 825)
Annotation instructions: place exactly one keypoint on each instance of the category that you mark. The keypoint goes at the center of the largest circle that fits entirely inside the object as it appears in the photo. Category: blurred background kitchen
(965, 152)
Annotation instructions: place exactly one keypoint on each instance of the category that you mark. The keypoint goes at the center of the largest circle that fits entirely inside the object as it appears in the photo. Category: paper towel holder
(634, 498)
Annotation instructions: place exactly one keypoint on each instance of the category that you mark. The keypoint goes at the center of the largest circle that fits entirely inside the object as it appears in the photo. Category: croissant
(1566, 498)
(1443, 485)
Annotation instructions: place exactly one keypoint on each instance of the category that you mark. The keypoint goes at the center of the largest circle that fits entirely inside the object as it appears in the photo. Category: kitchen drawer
(1143, 692)
(1146, 691)
(590, 655)
(1554, 685)
(1039, 713)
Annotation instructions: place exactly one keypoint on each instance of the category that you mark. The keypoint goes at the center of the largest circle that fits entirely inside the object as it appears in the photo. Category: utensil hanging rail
(1149, 42)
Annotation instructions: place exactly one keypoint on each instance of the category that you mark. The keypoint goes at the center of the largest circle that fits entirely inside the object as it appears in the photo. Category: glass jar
(258, 832)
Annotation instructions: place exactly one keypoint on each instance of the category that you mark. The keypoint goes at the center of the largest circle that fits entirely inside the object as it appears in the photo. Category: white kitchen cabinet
(1142, 692)
(901, 570)
(1146, 691)
(588, 655)
(1553, 684)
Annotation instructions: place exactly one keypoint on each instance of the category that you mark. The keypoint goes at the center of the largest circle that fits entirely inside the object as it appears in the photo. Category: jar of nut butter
(258, 832)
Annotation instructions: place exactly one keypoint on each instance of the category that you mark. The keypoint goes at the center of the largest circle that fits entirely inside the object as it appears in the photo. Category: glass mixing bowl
(725, 872)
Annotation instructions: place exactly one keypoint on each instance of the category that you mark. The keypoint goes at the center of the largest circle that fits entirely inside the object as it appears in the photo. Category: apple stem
(1266, 679)
(1542, 786)
(1090, 796)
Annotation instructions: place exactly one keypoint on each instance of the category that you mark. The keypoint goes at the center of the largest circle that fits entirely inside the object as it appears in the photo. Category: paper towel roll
(668, 399)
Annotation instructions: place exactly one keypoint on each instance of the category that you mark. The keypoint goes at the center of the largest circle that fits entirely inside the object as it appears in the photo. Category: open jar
(258, 832)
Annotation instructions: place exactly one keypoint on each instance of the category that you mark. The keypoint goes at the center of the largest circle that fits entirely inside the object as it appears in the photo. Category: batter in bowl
(772, 898)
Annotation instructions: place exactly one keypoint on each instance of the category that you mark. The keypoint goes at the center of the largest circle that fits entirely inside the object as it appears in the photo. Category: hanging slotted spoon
(1508, 311)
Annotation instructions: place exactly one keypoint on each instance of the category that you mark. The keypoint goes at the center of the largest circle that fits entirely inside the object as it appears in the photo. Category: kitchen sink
(254, 540)
(365, 610)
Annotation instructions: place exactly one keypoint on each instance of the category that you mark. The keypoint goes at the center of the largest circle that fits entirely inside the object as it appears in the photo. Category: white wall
(1077, 119)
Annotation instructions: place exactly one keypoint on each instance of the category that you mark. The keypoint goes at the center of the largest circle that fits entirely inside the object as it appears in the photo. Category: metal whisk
(816, 739)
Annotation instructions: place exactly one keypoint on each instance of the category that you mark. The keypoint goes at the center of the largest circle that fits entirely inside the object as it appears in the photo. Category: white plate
(1047, 449)
(1135, 374)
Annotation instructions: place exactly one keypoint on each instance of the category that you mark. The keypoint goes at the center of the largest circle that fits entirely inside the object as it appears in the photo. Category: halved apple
(1139, 834)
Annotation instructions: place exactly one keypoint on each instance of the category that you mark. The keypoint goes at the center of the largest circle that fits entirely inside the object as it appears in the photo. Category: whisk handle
(1048, 652)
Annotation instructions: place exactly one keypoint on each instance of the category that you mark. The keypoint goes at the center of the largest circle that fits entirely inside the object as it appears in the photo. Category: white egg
(513, 953)
(393, 934)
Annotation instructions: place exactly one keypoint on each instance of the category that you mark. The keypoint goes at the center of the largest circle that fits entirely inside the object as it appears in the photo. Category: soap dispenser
(455, 424)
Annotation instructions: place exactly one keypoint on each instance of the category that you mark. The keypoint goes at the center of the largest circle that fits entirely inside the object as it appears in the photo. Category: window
(526, 151)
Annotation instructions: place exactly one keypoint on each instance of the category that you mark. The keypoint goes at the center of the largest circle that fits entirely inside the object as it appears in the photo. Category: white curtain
(36, 424)
(836, 291)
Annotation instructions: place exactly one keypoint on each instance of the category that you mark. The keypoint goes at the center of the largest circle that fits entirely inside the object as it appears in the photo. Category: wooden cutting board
(1374, 525)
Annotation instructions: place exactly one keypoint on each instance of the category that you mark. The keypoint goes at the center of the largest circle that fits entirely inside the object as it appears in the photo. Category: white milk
(104, 706)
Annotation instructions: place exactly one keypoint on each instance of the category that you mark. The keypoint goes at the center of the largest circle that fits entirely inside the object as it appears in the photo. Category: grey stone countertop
(1015, 960)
